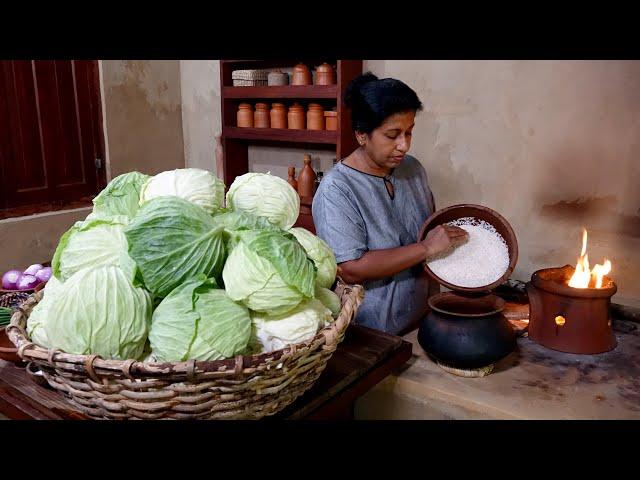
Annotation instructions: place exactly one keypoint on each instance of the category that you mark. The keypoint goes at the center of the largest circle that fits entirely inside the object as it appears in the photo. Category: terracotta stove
(570, 307)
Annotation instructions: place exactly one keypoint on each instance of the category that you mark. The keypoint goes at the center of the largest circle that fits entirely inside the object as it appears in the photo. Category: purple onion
(44, 274)
(33, 269)
(27, 281)
(10, 279)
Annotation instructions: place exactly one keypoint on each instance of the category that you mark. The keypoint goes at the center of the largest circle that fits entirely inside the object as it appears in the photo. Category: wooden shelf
(282, 91)
(329, 137)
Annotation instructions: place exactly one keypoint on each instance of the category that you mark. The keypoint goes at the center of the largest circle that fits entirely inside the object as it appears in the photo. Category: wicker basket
(249, 78)
(244, 387)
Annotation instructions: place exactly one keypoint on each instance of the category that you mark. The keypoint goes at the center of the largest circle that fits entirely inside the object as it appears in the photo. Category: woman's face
(388, 144)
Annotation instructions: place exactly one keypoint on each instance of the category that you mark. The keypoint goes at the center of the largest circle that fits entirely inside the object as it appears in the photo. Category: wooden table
(364, 358)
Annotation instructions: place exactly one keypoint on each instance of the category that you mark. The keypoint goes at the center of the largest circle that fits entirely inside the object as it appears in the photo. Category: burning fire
(583, 276)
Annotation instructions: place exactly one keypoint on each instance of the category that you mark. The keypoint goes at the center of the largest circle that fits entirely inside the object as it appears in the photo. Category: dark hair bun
(354, 90)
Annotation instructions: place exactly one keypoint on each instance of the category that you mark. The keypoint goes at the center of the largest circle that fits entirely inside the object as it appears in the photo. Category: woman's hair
(372, 100)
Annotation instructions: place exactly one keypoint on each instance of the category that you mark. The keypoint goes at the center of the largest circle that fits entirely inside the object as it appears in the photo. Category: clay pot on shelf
(278, 116)
(245, 115)
(301, 75)
(261, 116)
(325, 75)
(307, 179)
(315, 117)
(277, 77)
(296, 117)
(331, 120)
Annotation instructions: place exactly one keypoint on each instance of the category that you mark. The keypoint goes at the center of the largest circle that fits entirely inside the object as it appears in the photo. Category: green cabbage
(198, 321)
(269, 272)
(40, 313)
(120, 197)
(91, 243)
(330, 300)
(172, 241)
(195, 185)
(299, 325)
(98, 311)
(265, 195)
(320, 253)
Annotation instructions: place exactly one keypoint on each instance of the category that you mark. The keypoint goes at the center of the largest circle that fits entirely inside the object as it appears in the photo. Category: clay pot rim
(433, 301)
(561, 289)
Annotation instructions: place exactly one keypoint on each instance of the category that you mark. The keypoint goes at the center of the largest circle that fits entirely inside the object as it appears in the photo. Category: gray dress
(354, 213)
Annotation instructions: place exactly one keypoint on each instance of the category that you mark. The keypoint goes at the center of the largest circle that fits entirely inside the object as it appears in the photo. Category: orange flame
(584, 277)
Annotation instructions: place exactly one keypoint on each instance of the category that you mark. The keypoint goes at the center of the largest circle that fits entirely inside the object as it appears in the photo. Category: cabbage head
(321, 254)
(98, 311)
(299, 325)
(268, 271)
(195, 185)
(198, 321)
(121, 196)
(330, 300)
(91, 243)
(172, 241)
(265, 195)
(38, 317)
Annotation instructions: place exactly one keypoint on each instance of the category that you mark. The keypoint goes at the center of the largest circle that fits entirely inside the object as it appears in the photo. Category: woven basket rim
(27, 350)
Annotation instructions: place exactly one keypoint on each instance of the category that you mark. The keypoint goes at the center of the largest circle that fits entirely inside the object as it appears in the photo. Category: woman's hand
(443, 238)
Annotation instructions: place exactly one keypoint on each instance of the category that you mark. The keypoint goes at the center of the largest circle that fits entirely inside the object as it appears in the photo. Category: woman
(370, 207)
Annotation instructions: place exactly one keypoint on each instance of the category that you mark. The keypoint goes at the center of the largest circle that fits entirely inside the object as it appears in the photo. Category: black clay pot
(466, 332)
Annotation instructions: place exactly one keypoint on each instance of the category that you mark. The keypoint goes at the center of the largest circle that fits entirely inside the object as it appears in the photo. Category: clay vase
(292, 178)
(296, 117)
(325, 75)
(306, 179)
(245, 115)
(278, 116)
(301, 75)
(261, 116)
(315, 117)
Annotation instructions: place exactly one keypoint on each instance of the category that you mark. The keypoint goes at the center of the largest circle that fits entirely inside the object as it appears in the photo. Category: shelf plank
(282, 91)
(329, 137)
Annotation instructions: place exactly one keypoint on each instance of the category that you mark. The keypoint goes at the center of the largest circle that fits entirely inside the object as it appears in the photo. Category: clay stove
(569, 307)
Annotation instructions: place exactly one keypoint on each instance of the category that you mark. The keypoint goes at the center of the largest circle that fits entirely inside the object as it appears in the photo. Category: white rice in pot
(480, 261)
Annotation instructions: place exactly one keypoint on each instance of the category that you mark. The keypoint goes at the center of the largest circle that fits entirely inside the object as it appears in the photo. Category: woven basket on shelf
(244, 387)
(249, 78)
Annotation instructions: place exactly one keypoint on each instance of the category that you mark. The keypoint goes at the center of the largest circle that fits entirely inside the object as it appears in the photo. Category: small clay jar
(331, 120)
(261, 116)
(278, 115)
(306, 179)
(296, 117)
(301, 75)
(245, 115)
(292, 178)
(325, 75)
(315, 117)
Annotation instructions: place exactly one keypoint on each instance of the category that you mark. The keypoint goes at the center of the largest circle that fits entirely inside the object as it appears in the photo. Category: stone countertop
(533, 382)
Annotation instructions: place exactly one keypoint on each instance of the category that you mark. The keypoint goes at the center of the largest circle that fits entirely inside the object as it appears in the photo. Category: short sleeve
(339, 223)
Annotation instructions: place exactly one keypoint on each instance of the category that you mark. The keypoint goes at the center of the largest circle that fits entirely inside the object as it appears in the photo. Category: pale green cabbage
(120, 197)
(330, 300)
(321, 254)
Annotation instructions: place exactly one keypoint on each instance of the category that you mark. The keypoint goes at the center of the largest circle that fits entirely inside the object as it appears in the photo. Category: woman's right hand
(442, 238)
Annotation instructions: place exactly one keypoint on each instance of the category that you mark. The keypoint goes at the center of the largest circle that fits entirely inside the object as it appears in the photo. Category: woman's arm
(378, 264)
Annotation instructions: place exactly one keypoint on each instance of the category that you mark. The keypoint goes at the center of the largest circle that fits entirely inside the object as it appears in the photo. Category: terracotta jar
(301, 75)
(306, 179)
(331, 120)
(292, 178)
(278, 115)
(245, 115)
(296, 117)
(325, 75)
(261, 116)
(315, 117)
